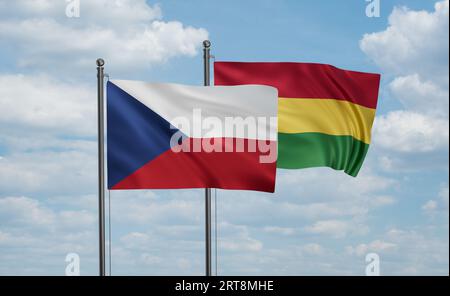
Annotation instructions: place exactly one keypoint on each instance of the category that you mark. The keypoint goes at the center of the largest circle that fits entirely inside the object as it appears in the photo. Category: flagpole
(206, 68)
(101, 165)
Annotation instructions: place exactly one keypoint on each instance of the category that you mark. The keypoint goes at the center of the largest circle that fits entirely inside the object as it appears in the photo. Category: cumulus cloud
(308, 206)
(420, 95)
(237, 238)
(161, 248)
(129, 34)
(150, 231)
(49, 172)
(406, 131)
(54, 157)
(414, 42)
(35, 238)
(31, 213)
(24, 211)
(43, 103)
(162, 208)
(407, 252)
(117, 10)
(422, 252)
(413, 52)
(48, 123)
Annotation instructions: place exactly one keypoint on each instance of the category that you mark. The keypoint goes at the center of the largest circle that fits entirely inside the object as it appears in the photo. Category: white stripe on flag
(171, 101)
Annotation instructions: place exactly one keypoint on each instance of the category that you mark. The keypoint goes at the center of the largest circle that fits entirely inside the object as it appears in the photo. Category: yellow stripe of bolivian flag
(327, 116)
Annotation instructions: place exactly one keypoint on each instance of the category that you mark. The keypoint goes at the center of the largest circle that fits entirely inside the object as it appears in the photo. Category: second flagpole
(208, 267)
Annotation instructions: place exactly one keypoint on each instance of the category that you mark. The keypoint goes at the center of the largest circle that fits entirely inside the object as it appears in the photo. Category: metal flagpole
(206, 67)
(101, 166)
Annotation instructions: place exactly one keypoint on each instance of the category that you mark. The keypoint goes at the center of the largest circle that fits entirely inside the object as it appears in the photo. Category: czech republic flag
(170, 136)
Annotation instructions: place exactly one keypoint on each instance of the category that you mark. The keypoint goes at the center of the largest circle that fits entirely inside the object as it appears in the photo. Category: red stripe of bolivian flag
(325, 114)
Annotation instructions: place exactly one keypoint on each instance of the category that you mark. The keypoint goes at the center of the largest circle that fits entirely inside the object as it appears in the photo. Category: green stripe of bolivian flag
(308, 150)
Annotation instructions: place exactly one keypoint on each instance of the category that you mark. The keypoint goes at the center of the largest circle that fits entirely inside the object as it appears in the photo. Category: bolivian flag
(325, 114)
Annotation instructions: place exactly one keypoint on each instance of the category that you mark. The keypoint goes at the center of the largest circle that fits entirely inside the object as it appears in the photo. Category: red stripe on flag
(227, 170)
(303, 80)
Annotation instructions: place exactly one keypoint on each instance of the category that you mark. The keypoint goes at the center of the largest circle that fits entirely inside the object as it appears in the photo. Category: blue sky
(319, 221)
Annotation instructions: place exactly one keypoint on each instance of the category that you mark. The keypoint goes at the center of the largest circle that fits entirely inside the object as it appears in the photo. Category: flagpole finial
(100, 62)
(206, 44)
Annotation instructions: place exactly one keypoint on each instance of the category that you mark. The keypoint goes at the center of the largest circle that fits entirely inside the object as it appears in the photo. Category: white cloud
(158, 253)
(306, 182)
(308, 199)
(48, 128)
(413, 50)
(420, 96)
(128, 34)
(115, 12)
(31, 213)
(24, 211)
(333, 227)
(418, 252)
(407, 131)
(35, 238)
(153, 228)
(55, 172)
(414, 42)
(43, 103)
(154, 207)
